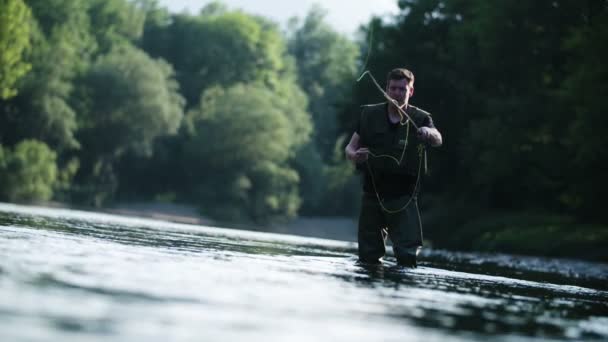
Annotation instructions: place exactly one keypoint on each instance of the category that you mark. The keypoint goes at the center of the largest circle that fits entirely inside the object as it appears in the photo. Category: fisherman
(389, 147)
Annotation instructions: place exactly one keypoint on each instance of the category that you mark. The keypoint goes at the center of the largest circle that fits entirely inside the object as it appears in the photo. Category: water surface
(77, 276)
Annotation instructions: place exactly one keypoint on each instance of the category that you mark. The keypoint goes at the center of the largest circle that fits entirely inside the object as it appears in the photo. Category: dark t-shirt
(390, 184)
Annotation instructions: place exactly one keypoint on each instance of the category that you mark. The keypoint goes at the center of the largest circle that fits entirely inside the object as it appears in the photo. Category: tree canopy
(244, 137)
(15, 26)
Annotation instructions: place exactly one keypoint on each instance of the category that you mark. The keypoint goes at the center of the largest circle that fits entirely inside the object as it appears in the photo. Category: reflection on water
(67, 275)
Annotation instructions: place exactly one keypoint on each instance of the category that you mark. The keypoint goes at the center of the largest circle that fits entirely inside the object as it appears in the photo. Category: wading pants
(404, 229)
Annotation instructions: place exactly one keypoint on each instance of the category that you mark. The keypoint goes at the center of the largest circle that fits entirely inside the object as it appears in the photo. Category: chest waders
(421, 156)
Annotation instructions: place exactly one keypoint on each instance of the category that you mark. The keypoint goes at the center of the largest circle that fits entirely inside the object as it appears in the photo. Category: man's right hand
(354, 151)
(360, 155)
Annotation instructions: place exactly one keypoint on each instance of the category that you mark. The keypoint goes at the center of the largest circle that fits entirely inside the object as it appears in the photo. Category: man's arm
(427, 132)
(354, 151)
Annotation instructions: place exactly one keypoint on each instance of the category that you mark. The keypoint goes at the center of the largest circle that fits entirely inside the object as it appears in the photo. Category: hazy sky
(344, 15)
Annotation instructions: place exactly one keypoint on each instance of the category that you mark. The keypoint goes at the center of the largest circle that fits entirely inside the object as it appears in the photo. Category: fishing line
(416, 185)
(369, 47)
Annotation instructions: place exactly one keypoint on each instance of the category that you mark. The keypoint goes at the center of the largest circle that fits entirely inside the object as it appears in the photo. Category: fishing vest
(384, 138)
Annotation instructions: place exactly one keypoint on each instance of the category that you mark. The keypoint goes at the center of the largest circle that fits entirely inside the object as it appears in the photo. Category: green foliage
(15, 26)
(326, 64)
(538, 234)
(51, 14)
(127, 101)
(28, 172)
(465, 227)
(217, 53)
(214, 8)
(217, 48)
(251, 116)
(584, 88)
(342, 196)
(273, 193)
(331, 188)
(131, 100)
(580, 242)
(313, 180)
(520, 131)
(63, 39)
(156, 39)
(43, 108)
(115, 22)
(66, 174)
(241, 140)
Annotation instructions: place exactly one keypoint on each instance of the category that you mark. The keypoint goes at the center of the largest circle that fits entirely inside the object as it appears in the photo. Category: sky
(344, 15)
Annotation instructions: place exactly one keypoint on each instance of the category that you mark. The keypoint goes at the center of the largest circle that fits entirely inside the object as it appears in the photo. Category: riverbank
(536, 234)
(516, 233)
(334, 228)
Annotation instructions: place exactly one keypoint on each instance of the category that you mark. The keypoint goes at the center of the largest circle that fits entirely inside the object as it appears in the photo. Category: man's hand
(358, 156)
(424, 134)
(354, 151)
(430, 136)
(361, 155)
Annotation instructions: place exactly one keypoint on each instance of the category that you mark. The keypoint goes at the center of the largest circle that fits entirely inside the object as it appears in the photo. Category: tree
(241, 138)
(132, 100)
(43, 110)
(326, 65)
(28, 172)
(216, 47)
(116, 22)
(15, 26)
(517, 141)
(222, 49)
(583, 89)
(129, 100)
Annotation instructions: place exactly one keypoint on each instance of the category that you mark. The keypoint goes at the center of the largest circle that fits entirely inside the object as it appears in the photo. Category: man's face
(400, 90)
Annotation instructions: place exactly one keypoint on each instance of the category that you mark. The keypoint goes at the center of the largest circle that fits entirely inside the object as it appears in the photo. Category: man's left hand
(424, 134)
(430, 136)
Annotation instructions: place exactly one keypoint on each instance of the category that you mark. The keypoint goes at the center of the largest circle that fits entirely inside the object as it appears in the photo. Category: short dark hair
(400, 74)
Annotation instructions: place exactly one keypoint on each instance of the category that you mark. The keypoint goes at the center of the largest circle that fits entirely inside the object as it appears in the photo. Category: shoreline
(488, 237)
(327, 227)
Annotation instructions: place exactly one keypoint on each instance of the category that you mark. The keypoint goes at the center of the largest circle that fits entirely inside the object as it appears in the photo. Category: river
(78, 276)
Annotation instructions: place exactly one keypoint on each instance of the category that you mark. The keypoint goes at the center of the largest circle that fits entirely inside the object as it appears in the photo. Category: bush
(28, 172)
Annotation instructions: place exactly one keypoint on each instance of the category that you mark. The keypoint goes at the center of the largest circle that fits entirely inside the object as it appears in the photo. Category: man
(388, 146)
